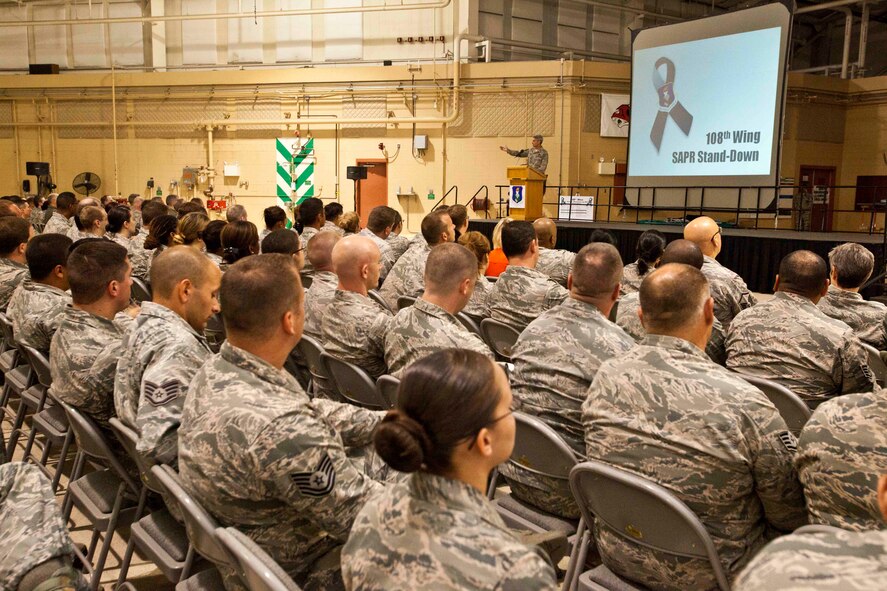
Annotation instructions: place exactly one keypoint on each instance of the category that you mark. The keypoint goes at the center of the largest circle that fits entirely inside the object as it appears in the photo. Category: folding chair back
(792, 407)
(499, 336)
(141, 290)
(258, 571)
(377, 297)
(307, 279)
(388, 386)
(129, 439)
(644, 513)
(352, 383)
(201, 526)
(469, 323)
(10, 348)
(214, 332)
(405, 302)
(876, 364)
(92, 442)
(40, 365)
(539, 449)
(311, 350)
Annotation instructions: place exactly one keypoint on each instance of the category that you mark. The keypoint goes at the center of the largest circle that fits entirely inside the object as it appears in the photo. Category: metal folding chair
(214, 332)
(353, 384)
(469, 323)
(499, 336)
(876, 364)
(388, 386)
(141, 290)
(643, 513)
(257, 570)
(102, 495)
(307, 279)
(377, 297)
(405, 302)
(311, 350)
(791, 407)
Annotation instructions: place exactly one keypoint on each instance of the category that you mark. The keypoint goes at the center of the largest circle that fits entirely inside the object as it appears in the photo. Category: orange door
(820, 181)
(373, 190)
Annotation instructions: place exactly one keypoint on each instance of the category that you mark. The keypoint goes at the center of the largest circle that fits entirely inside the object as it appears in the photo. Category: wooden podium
(533, 182)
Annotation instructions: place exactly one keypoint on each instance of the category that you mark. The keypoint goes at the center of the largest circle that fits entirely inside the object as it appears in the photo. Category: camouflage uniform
(136, 220)
(790, 341)
(729, 291)
(555, 360)
(329, 226)
(58, 224)
(317, 300)
(387, 254)
(479, 304)
(263, 234)
(627, 318)
(665, 412)
(555, 263)
(36, 309)
(353, 330)
(418, 240)
(422, 329)
(631, 278)
(83, 361)
(75, 233)
(537, 158)
(32, 532)
(262, 457)
(36, 219)
(399, 244)
(158, 359)
(12, 274)
(522, 294)
(436, 533)
(119, 239)
(841, 452)
(216, 259)
(308, 232)
(868, 319)
(407, 276)
(839, 561)
(139, 257)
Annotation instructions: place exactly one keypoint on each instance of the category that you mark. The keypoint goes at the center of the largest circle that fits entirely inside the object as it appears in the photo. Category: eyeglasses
(511, 411)
(715, 234)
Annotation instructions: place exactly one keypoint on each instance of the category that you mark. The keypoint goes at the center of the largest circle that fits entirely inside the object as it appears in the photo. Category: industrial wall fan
(86, 183)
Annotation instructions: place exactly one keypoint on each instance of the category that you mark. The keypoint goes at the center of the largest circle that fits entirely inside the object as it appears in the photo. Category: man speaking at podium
(537, 156)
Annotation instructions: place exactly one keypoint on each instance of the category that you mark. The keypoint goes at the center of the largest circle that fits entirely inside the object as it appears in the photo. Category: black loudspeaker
(43, 69)
(37, 168)
(357, 173)
(26, 186)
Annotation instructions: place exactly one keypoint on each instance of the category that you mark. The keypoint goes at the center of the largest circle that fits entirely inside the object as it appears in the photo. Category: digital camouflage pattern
(387, 258)
(407, 276)
(306, 235)
(479, 304)
(399, 244)
(36, 310)
(75, 233)
(83, 362)
(729, 291)
(555, 263)
(58, 224)
(838, 561)
(631, 279)
(537, 158)
(436, 533)
(353, 330)
(422, 329)
(867, 318)
(555, 360)
(628, 320)
(36, 219)
(789, 340)
(119, 239)
(32, 530)
(12, 274)
(317, 299)
(160, 355)
(215, 259)
(521, 295)
(841, 452)
(261, 456)
(140, 258)
(664, 411)
(329, 226)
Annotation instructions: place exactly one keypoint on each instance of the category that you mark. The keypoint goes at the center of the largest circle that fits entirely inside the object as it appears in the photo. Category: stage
(754, 254)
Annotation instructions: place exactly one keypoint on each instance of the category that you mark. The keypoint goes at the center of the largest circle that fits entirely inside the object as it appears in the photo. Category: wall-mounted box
(420, 142)
(606, 168)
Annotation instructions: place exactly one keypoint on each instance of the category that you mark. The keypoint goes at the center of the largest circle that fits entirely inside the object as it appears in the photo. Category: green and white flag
(295, 171)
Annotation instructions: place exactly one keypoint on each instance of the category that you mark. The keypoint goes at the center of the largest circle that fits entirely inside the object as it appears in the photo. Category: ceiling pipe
(560, 50)
(228, 15)
(828, 6)
(848, 32)
(863, 35)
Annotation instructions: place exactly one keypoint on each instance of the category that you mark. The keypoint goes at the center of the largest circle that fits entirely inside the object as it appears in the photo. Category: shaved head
(705, 233)
(447, 267)
(546, 232)
(353, 258)
(682, 251)
(176, 264)
(320, 250)
(672, 298)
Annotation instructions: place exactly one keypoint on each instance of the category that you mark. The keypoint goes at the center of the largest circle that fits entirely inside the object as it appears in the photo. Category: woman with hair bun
(239, 240)
(452, 426)
(651, 245)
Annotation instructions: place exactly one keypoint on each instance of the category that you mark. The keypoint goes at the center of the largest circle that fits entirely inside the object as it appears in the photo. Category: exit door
(819, 182)
(373, 190)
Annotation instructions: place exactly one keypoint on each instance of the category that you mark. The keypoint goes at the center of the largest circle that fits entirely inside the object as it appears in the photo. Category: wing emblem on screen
(669, 106)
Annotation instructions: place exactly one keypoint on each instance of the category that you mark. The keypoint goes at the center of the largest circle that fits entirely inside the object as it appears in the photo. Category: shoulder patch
(318, 482)
(789, 441)
(162, 393)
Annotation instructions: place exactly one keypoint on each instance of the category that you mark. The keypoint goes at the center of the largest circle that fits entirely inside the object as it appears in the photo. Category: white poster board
(576, 207)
